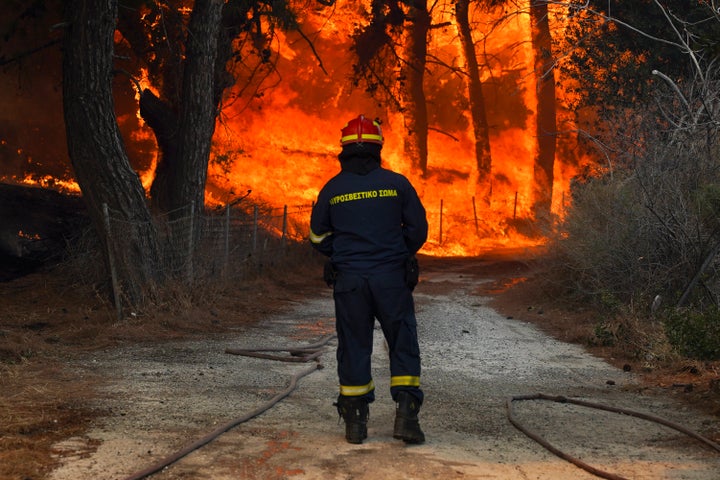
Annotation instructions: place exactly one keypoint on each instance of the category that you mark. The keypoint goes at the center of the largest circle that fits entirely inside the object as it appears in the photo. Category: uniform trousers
(359, 300)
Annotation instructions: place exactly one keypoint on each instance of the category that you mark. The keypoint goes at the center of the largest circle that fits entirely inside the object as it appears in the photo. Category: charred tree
(95, 145)
(183, 117)
(187, 61)
(412, 93)
(197, 111)
(391, 58)
(546, 126)
(476, 98)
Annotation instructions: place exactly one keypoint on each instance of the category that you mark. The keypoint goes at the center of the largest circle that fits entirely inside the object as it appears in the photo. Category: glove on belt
(412, 272)
(329, 274)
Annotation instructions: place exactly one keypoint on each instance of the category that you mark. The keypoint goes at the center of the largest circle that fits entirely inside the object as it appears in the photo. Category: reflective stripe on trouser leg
(356, 390)
(405, 381)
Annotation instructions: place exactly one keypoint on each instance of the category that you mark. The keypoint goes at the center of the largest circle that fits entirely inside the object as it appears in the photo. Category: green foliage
(695, 334)
(708, 202)
(603, 335)
(609, 300)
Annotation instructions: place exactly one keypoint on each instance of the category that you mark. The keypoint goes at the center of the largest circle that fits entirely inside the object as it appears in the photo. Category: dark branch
(6, 61)
(312, 47)
(444, 133)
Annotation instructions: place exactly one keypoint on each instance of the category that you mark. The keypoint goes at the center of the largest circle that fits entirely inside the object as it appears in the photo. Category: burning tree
(393, 38)
(189, 63)
(476, 97)
(187, 56)
(546, 122)
(391, 55)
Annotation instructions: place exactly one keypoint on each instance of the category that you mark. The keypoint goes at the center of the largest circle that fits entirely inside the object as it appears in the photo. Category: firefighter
(370, 222)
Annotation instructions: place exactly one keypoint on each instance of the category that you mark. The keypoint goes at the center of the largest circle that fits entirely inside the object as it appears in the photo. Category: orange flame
(283, 143)
(292, 139)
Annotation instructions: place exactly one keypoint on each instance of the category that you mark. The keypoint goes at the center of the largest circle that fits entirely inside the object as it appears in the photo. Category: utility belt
(412, 272)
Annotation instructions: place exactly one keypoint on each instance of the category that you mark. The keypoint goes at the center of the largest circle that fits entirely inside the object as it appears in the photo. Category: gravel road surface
(161, 398)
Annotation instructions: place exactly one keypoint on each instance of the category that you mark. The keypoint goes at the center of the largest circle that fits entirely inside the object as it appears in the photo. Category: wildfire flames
(282, 143)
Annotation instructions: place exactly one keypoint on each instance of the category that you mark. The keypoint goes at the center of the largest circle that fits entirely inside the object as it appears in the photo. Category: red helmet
(361, 130)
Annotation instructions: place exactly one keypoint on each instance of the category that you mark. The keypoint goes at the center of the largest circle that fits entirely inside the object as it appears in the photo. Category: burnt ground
(48, 324)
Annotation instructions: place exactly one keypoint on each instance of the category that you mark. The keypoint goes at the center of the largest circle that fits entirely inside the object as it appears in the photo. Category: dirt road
(160, 399)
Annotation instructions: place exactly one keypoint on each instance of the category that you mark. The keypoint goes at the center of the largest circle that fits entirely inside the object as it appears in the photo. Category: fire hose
(575, 461)
(302, 354)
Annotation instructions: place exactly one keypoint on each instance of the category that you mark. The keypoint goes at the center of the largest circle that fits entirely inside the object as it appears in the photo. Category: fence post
(190, 242)
(111, 260)
(284, 227)
(477, 230)
(227, 239)
(441, 220)
(515, 206)
(255, 228)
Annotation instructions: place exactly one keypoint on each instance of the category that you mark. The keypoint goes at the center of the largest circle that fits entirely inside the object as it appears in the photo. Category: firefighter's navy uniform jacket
(369, 221)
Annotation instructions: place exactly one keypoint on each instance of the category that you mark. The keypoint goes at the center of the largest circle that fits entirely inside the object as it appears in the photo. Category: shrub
(695, 334)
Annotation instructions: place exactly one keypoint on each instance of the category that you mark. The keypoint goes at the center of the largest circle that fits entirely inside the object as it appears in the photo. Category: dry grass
(39, 406)
(47, 321)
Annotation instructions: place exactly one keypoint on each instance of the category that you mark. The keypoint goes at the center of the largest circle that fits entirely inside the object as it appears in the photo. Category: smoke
(32, 132)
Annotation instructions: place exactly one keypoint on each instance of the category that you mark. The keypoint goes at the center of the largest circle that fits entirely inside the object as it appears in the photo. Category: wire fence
(197, 246)
(226, 243)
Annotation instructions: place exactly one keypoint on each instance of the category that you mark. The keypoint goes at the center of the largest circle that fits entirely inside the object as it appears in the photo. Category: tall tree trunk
(546, 109)
(184, 118)
(198, 111)
(165, 70)
(413, 105)
(95, 145)
(481, 131)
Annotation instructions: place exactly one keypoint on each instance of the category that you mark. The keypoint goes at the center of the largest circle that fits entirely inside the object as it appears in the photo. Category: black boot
(407, 426)
(355, 412)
